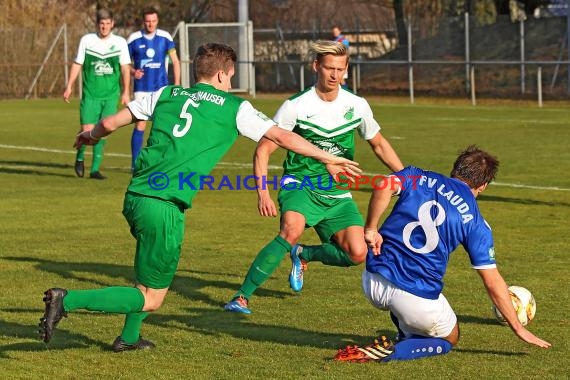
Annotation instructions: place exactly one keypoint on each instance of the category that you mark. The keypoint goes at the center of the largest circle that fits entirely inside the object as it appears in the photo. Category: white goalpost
(238, 35)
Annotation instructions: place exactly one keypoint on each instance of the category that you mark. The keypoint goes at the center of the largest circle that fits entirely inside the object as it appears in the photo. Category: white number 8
(427, 225)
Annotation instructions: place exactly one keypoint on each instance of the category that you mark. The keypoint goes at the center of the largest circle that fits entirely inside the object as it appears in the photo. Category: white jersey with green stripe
(102, 60)
(328, 125)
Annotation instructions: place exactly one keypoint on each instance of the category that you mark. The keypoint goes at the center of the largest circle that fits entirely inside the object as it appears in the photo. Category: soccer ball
(524, 304)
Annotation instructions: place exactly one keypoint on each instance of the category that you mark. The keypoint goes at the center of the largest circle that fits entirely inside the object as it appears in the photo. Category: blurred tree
(44, 13)
(128, 12)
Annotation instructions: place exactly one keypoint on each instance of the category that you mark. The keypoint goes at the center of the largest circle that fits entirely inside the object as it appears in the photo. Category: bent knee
(292, 236)
(358, 254)
(152, 304)
(453, 338)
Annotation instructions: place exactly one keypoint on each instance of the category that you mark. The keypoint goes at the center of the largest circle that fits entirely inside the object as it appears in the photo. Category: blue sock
(419, 347)
(136, 145)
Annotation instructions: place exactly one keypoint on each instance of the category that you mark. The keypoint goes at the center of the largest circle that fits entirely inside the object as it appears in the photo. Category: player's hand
(66, 95)
(84, 138)
(139, 73)
(529, 337)
(125, 99)
(265, 204)
(350, 169)
(373, 239)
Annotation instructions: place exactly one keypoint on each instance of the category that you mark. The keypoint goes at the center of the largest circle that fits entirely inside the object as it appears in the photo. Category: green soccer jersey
(328, 125)
(192, 130)
(102, 60)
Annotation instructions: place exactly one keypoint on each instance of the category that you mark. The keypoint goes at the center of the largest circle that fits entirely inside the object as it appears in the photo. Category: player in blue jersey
(409, 255)
(337, 36)
(149, 49)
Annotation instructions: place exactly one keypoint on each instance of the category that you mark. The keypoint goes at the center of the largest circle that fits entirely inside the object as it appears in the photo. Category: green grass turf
(59, 230)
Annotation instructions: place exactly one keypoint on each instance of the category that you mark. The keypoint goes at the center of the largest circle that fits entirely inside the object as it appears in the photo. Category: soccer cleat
(238, 305)
(97, 175)
(54, 312)
(119, 345)
(79, 168)
(377, 351)
(298, 267)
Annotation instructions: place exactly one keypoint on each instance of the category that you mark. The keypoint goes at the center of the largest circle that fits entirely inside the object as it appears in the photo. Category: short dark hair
(475, 167)
(211, 58)
(149, 11)
(104, 14)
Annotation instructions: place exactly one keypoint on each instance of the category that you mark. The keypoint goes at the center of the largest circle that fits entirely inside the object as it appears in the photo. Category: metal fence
(526, 59)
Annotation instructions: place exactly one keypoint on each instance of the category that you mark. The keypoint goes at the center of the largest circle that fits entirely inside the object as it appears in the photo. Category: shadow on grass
(37, 163)
(190, 287)
(205, 321)
(218, 322)
(29, 168)
(34, 168)
(65, 340)
(33, 172)
(488, 352)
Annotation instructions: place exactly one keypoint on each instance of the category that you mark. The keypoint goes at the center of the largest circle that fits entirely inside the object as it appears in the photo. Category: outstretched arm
(499, 294)
(384, 151)
(297, 144)
(104, 127)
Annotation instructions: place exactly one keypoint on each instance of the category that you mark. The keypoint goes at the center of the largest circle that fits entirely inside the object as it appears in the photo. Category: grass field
(59, 230)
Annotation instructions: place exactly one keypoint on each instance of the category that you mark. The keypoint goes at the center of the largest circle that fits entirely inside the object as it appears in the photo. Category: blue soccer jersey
(149, 54)
(433, 215)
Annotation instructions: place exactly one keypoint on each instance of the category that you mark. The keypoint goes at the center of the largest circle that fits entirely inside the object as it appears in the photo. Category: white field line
(248, 165)
(481, 119)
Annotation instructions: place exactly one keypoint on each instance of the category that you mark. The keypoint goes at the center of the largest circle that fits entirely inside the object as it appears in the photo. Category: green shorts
(93, 110)
(158, 226)
(326, 215)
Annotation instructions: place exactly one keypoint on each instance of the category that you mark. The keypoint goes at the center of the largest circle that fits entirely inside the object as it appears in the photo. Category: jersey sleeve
(131, 47)
(369, 126)
(404, 179)
(479, 246)
(286, 116)
(252, 123)
(80, 57)
(170, 45)
(125, 57)
(143, 109)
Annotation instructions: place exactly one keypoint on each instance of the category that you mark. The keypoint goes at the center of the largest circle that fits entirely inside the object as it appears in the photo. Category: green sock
(267, 260)
(98, 155)
(132, 328)
(116, 299)
(80, 156)
(328, 254)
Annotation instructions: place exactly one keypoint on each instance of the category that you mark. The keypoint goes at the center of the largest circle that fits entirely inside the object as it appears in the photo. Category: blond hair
(319, 49)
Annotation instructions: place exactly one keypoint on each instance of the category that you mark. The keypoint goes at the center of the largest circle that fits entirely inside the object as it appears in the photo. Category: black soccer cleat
(54, 312)
(96, 175)
(119, 345)
(79, 168)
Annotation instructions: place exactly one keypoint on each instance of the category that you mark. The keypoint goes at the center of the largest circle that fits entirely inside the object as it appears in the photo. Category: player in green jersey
(102, 58)
(192, 129)
(328, 116)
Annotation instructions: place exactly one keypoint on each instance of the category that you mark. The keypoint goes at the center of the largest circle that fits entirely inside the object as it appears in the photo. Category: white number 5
(428, 225)
(184, 114)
